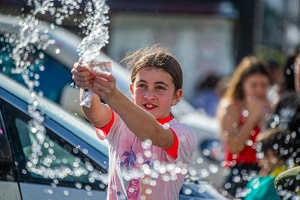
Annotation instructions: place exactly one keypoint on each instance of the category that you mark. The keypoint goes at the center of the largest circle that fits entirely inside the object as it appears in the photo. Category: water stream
(31, 38)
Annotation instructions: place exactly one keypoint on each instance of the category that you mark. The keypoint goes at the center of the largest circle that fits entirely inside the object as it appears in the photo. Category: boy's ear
(131, 90)
(130, 87)
(177, 96)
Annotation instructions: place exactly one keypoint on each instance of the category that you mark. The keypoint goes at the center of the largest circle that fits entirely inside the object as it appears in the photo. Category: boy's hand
(82, 76)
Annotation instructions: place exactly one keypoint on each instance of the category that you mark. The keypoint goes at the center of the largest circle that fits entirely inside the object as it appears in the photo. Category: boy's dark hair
(278, 140)
(154, 56)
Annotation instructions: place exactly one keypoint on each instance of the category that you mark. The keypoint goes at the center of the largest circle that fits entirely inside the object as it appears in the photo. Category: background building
(207, 36)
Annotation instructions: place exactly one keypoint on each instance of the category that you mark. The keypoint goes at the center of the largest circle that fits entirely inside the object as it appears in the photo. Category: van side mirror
(5, 155)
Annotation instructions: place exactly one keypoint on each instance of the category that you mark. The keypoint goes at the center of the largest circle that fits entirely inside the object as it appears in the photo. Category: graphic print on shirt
(134, 187)
(130, 159)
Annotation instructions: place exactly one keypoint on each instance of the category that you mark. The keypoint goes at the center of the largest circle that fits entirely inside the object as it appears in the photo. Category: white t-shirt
(139, 170)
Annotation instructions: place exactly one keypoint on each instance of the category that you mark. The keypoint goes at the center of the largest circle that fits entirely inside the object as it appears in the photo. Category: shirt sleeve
(187, 141)
(173, 151)
(102, 132)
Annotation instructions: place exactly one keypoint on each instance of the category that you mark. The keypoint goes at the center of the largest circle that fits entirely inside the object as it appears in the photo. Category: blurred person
(209, 94)
(206, 98)
(273, 152)
(241, 114)
(277, 80)
(275, 72)
(142, 133)
(222, 86)
(288, 83)
(287, 116)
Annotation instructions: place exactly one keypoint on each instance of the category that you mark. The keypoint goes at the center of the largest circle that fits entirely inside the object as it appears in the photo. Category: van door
(9, 188)
(53, 168)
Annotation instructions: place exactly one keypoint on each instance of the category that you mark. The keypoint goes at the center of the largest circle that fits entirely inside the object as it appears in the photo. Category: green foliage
(267, 53)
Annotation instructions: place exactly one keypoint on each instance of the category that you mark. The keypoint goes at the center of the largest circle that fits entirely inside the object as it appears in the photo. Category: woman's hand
(257, 109)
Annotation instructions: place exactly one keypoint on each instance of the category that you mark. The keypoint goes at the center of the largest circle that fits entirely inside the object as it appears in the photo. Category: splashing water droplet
(204, 173)
(199, 160)
(213, 168)
(249, 142)
(66, 192)
(245, 113)
(166, 126)
(146, 144)
(78, 185)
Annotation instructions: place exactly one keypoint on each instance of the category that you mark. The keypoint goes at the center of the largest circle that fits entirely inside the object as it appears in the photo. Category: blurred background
(207, 36)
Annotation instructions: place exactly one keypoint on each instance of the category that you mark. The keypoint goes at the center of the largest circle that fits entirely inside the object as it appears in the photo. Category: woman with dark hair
(241, 114)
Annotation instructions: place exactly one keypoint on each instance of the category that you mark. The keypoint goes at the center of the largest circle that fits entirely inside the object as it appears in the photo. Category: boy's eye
(141, 85)
(160, 88)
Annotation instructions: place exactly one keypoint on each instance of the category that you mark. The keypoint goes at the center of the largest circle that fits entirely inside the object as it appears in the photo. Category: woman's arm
(233, 134)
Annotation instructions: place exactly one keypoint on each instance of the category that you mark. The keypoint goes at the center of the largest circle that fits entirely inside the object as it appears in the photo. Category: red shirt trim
(172, 151)
(107, 127)
(165, 120)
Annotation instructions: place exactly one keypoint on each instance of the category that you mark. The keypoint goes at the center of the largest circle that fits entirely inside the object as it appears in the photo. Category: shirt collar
(165, 120)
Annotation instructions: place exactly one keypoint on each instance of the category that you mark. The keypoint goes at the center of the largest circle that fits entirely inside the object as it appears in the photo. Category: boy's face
(154, 91)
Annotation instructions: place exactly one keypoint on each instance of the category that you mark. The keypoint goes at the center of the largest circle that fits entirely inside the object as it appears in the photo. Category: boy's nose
(149, 94)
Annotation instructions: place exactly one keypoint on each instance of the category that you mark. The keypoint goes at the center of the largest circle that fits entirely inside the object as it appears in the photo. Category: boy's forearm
(131, 114)
(98, 114)
(140, 122)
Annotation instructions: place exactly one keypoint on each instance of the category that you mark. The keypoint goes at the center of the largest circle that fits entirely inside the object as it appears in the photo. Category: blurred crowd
(258, 109)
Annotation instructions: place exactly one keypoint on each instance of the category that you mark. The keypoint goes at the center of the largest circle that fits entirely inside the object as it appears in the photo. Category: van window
(48, 158)
(48, 69)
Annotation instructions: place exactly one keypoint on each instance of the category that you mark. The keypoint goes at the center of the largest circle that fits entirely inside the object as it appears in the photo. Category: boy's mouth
(149, 106)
